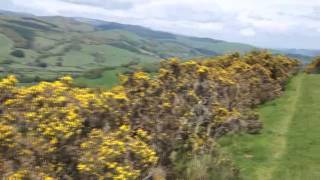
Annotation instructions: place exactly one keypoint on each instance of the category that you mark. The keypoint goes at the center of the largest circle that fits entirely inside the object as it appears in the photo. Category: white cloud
(265, 23)
(111, 4)
(272, 23)
(248, 32)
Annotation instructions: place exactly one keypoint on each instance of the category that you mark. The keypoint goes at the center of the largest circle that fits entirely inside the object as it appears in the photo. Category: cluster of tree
(18, 53)
(142, 129)
(97, 73)
(313, 67)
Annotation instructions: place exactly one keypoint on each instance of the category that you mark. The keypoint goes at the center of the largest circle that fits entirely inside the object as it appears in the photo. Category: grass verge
(266, 156)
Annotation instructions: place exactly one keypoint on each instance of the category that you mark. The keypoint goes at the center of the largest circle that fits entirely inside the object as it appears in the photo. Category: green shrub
(207, 166)
(42, 64)
(96, 73)
(18, 53)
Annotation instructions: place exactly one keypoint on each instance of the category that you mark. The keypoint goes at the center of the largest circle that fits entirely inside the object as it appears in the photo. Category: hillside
(43, 48)
(304, 52)
(303, 58)
(304, 55)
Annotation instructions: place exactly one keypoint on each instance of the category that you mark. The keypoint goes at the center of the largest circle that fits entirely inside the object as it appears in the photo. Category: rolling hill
(304, 55)
(305, 52)
(42, 48)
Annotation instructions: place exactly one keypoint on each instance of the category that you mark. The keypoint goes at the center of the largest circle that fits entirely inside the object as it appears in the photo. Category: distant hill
(304, 52)
(36, 48)
(43, 48)
(303, 58)
(304, 55)
(164, 44)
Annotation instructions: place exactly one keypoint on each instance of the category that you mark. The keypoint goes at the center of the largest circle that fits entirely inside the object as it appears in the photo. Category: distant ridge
(45, 47)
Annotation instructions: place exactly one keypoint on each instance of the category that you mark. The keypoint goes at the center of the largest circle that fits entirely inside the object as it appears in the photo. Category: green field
(109, 78)
(289, 145)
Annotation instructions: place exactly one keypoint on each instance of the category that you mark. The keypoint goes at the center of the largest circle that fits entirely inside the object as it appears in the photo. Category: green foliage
(42, 64)
(211, 166)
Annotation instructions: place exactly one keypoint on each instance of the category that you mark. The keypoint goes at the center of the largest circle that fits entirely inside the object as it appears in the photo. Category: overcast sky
(264, 23)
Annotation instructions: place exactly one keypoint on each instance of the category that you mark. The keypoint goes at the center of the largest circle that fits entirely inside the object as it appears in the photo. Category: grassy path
(289, 145)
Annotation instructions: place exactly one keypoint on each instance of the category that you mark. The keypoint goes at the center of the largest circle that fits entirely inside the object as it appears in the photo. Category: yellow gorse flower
(58, 131)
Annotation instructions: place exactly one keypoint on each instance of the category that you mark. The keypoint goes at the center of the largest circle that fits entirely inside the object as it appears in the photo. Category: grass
(289, 145)
(5, 46)
(41, 43)
(302, 158)
(115, 56)
(109, 79)
(219, 47)
(77, 58)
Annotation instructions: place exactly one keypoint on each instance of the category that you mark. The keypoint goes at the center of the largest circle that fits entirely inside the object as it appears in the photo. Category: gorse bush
(313, 67)
(143, 128)
(49, 125)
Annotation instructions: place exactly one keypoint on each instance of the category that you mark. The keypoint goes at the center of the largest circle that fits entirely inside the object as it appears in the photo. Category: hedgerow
(313, 67)
(143, 128)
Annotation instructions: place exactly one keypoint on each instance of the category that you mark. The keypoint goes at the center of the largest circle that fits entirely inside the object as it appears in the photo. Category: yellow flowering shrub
(103, 154)
(193, 101)
(7, 88)
(7, 137)
(313, 67)
(46, 111)
(44, 125)
(54, 130)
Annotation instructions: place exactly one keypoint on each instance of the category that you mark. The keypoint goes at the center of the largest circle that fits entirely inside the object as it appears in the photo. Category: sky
(263, 23)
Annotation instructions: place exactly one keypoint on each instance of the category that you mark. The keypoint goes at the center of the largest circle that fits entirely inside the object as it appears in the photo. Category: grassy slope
(5, 46)
(71, 47)
(220, 47)
(289, 145)
(109, 78)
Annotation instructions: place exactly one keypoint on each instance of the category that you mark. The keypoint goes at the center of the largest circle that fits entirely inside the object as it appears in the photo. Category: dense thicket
(146, 127)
